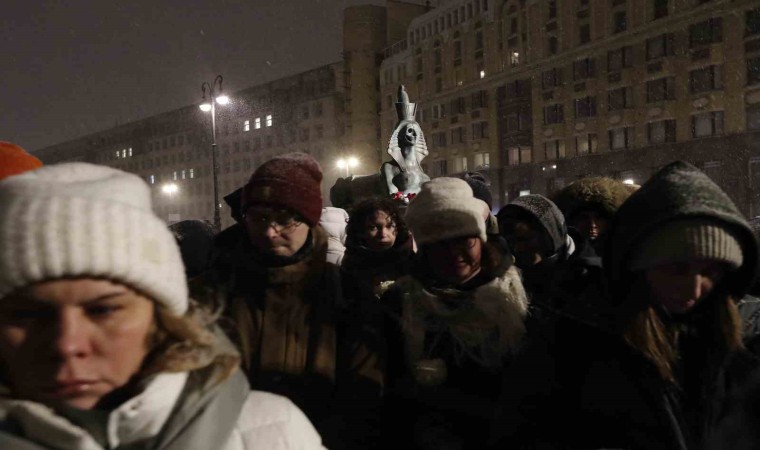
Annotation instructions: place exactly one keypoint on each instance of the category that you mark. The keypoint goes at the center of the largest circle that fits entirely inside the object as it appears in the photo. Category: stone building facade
(539, 93)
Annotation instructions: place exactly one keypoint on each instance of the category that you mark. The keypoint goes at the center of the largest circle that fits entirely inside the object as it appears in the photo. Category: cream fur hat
(78, 219)
(445, 209)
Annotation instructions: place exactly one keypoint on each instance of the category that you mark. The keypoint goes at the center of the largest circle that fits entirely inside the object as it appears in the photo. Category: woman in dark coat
(651, 360)
(378, 249)
(451, 325)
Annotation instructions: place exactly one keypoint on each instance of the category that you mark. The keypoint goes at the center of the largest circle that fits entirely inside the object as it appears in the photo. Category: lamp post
(348, 164)
(209, 105)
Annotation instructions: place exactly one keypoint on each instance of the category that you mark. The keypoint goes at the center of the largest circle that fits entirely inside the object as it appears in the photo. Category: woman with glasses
(378, 248)
(297, 334)
(452, 325)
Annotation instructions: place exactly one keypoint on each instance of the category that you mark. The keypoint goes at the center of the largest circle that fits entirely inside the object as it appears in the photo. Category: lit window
(482, 74)
(257, 123)
(124, 153)
(118, 154)
(247, 125)
(152, 179)
(514, 58)
(525, 192)
(130, 152)
(183, 174)
(269, 120)
(192, 173)
(175, 176)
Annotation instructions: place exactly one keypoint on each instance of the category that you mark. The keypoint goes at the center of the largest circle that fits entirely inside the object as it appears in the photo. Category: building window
(439, 139)
(305, 111)
(661, 131)
(584, 34)
(753, 71)
(318, 106)
(551, 78)
(619, 59)
(457, 135)
(479, 44)
(441, 167)
(460, 164)
(481, 160)
(619, 21)
(183, 174)
(192, 173)
(437, 58)
(552, 45)
(554, 149)
(554, 114)
(753, 117)
(620, 98)
(174, 175)
(707, 124)
(320, 131)
(621, 138)
(480, 130)
(152, 179)
(457, 50)
(660, 9)
(585, 107)
(661, 89)
(418, 64)
(586, 143)
(583, 69)
(552, 9)
(706, 79)
(708, 32)
(480, 99)
(257, 123)
(438, 84)
(247, 125)
(660, 46)
(269, 120)
(752, 22)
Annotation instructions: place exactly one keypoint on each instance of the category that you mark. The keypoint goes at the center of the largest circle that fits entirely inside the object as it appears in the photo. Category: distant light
(170, 189)
(352, 162)
(524, 193)
(554, 166)
(223, 100)
(482, 74)
(205, 107)
(341, 163)
(628, 181)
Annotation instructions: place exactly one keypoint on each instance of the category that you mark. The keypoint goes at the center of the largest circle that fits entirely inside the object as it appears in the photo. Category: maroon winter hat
(291, 181)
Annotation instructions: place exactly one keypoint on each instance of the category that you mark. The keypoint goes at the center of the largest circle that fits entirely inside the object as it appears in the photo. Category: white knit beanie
(445, 209)
(78, 219)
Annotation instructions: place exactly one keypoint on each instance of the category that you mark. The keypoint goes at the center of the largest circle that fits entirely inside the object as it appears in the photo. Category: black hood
(678, 191)
(543, 211)
(233, 200)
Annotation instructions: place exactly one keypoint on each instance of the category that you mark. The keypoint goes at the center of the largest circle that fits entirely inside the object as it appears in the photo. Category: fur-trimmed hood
(487, 322)
(601, 193)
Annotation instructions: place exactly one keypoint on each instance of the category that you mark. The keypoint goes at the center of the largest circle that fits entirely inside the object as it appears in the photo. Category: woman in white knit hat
(100, 347)
(453, 324)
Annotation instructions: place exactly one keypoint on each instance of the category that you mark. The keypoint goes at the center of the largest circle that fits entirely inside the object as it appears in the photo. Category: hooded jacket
(582, 380)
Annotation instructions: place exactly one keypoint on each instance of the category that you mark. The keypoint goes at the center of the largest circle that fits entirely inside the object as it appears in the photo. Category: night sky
(76, 67)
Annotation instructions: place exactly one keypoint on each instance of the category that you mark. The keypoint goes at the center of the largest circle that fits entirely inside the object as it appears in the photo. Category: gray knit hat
(688, 239)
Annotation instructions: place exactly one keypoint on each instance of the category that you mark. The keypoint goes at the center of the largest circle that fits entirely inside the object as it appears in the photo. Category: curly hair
(365, 210)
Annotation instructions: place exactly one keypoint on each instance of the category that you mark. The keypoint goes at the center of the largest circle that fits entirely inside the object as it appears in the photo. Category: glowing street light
(628, 181)
(170, 189)
(347, 164)
(209, 105)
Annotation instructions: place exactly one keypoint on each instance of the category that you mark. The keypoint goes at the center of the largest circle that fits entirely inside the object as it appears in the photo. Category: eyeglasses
(280, 221)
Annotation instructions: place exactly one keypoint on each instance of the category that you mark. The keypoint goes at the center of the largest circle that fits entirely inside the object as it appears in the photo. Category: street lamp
(348, 164)
(170, 189)
(209, 105)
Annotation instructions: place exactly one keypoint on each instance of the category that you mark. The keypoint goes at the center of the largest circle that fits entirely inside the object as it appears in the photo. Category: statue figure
(403, 174)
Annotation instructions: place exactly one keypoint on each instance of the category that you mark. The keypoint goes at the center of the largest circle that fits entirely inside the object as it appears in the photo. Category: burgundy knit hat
(291, 181)
(15, 160)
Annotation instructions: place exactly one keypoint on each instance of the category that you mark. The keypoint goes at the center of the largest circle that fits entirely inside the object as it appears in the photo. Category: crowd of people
(606, 317)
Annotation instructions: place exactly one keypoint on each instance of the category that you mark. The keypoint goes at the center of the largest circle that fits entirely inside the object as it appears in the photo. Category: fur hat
(600, 193)
(688, 239)
(445, 209)
(79, 219)
(15, 160)
(291, 181)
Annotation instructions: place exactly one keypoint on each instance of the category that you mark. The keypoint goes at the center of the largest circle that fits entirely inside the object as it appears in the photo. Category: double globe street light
(210, 100)
(348, 164)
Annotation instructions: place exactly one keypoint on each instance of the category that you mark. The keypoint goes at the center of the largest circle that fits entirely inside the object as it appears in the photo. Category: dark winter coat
(301, 338)
(446, 350)
(578, 384)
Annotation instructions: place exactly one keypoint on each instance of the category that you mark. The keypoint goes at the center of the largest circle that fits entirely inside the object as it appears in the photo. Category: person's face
(591, 224)
(274, 231)
(73, 341)
(380, 231)
(526, 243)
(679, 287)
(455, 260)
